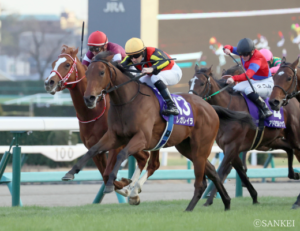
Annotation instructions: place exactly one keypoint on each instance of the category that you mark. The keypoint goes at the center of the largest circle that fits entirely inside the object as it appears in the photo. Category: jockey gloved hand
(227, 51)
(229, 79)
(147, 70)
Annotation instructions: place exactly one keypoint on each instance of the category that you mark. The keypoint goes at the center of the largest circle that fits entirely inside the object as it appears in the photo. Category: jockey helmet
(245, 46)
(134, 46)
(267, 54)
(97, 38)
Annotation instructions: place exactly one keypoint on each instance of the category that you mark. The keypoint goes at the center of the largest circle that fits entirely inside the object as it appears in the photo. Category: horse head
(98, 76)
(64, 70)
(200, 84)
(285, 84)
(235, 70)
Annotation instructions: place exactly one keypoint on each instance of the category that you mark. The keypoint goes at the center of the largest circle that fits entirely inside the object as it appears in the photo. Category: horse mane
(123, 70)
(231, 70)
(102, 56)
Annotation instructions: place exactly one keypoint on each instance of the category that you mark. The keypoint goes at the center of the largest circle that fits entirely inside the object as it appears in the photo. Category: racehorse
(285, 88)
(234, 140)
(69, 72)
(135, 121)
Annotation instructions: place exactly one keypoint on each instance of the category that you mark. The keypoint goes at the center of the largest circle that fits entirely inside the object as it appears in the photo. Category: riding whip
(82, 40)
(243, 71)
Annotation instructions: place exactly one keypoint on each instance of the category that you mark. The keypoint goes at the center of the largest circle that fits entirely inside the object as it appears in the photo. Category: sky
(79, 7)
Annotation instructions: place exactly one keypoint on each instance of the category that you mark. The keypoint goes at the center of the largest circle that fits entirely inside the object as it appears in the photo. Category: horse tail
(226, 115)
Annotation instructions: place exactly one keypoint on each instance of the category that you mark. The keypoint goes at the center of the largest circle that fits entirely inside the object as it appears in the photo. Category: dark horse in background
(69, 72)
(135, 121)
(234, 140)
(286, 87)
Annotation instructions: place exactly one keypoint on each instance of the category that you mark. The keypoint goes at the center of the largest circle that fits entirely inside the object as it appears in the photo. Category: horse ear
(283, 60)
(63, 50)
(296, 63)
(196, 67)
(209, 70)
(75, 52)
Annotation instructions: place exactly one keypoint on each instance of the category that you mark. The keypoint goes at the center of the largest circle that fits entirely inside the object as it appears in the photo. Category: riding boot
(171, 107)
(260, 103)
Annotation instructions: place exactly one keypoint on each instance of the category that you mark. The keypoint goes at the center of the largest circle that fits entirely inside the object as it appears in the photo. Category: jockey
(161, 72)
(274, 62)
(257, 70)
(97, 43)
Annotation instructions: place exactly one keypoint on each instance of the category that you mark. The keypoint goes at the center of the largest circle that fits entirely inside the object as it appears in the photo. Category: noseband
(289, 96)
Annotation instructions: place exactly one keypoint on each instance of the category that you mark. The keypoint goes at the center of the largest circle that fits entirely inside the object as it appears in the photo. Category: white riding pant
(169, 77)
(262, 87)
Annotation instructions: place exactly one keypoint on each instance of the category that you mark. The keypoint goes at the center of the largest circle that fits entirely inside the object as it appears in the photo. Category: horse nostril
(51, 82)
(92, 98)
(274, 102)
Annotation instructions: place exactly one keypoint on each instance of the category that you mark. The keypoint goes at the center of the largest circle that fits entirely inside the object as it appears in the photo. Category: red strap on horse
(89, 121)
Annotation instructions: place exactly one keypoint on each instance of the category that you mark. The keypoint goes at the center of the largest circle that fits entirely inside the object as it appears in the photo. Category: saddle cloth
(274, 121)
(185, 117)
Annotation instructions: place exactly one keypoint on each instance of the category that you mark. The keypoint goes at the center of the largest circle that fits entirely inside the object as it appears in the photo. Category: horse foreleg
(200, 181)
(238, 165)
(153, 165)
(136, 144)
(141, 158)
(210, 171)
(223, 171)
(107, 142)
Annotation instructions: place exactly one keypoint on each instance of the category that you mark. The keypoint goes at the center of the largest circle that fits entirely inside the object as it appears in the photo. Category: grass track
(159, 215)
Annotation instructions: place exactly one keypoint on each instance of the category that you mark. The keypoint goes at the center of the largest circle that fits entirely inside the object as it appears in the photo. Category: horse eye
(289, 78)
(101, 72)
(202, 84)
(68, 65)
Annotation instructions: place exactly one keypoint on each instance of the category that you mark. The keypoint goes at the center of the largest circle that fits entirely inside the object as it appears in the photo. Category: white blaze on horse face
(281, 73)
(193, 84)
(57, 64)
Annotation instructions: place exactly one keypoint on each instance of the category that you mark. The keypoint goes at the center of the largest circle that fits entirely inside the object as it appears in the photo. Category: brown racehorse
(286, 86)
(135, 121)
(92, 122)
(234, 140)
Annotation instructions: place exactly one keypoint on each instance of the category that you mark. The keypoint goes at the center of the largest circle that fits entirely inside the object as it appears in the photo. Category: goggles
(135, 56)
(96, 49)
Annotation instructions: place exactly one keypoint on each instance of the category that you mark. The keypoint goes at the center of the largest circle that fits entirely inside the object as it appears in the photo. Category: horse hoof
(134, 200)
(295, 206)
(256, 203)
(206, 204)
(109, 189)
(68, 177)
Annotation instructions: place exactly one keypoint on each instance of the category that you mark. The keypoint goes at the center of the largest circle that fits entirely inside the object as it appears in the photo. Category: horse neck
(226, 100)
(77, 94)
(125, 93)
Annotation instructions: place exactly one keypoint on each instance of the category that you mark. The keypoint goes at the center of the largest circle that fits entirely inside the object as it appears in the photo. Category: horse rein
(107, 90)
(63, 80)
(289, 96)
(208, 84)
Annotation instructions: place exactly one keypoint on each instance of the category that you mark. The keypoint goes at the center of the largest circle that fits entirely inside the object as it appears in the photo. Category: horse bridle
(63, 80)
(289, 96)
(207, 85)
(110, 88)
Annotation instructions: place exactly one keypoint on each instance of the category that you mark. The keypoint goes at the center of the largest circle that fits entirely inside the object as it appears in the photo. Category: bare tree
(43, 45)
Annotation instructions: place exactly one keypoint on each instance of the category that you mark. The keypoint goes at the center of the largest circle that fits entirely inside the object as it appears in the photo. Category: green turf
(160, 215)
